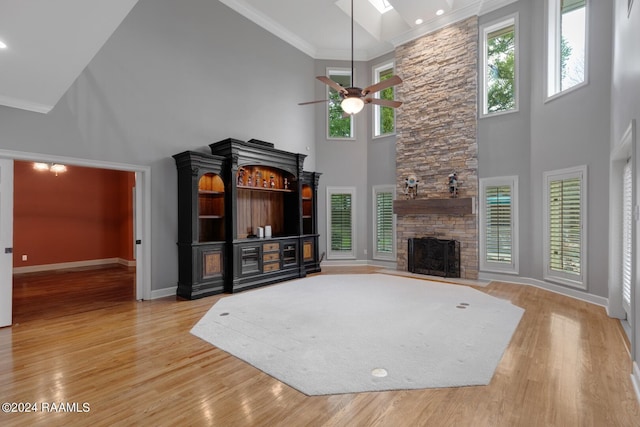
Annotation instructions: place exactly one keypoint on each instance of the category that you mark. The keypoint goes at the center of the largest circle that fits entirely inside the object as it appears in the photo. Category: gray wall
(381, 162)
(174, 76)
(343, 163)
(571, 130)
(625, 106)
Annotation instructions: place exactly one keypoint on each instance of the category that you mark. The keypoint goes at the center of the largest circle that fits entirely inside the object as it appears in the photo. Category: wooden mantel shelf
(457, 206)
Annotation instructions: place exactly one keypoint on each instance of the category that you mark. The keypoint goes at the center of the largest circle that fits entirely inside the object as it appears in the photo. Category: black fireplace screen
(436, 257)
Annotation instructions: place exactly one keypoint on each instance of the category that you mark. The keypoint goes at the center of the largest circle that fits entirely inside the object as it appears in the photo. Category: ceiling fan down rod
(353, 77)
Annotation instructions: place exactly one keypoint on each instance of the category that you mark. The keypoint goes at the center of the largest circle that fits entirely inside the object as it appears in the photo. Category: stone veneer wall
(436, 134)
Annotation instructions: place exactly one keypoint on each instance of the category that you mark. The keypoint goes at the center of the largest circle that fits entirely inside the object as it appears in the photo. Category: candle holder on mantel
(411, 186)
(453, 185)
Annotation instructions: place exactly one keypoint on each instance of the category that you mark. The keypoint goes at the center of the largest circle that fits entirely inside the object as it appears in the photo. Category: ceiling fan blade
(383, 102)
(391, 81)
(313, 102)
(332, 84)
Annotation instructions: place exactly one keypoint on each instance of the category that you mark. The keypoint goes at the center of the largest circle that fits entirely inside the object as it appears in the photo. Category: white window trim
(375, 111)
(354, 218)
(552, 53)
(376, 189)
(343, 72)
(486, 29)
(500, 267)
(572, 280)
(624, 149)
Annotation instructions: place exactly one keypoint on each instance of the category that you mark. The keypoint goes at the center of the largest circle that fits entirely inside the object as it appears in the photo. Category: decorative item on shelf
(249, 181)
(257, 181)
(260, 232)
(264, 183)
(241, 173)
(411, 186)
(286, 184)
(267, 231)
(272, 182)
(453, 185)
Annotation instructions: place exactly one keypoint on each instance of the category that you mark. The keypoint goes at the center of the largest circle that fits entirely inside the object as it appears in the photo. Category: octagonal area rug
(330, 334)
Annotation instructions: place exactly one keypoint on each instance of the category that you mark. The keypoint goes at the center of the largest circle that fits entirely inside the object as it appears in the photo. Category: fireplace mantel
(451, 206)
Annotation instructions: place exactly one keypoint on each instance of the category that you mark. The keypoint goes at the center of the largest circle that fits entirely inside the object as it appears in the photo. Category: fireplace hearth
(435, 257)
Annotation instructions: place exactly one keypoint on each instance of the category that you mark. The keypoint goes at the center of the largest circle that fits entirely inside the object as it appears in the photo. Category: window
(627, 224)
(383, 6)
(341, 222)
(499, 66)
(564, 226)
(383, 223)
(384, 118)
(339, 127)
(499, 224)
(567, 45)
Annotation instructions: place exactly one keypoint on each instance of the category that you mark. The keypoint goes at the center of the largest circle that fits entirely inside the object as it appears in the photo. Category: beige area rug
(331, 334)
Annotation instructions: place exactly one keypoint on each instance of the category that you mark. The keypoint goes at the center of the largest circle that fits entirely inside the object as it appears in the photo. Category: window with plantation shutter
(627, 218)
(383, 223)
(341, 222)
(565, 231)
(498, 229)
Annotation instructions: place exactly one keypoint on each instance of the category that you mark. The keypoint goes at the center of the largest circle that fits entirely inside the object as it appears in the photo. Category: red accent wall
(82, 214)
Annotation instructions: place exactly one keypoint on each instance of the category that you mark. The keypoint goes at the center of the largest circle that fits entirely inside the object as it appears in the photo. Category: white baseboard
(345, 263)
(635, 380)
(573, 293)
(73, 264)
(164, 292)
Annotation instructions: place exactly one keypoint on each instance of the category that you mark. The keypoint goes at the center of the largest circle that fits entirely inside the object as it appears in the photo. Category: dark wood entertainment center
(225, 198)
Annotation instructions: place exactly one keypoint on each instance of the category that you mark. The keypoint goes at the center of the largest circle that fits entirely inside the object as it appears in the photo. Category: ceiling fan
(354, 98)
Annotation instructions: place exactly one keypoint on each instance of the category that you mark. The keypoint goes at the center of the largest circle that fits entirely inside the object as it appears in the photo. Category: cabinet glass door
(250, 258)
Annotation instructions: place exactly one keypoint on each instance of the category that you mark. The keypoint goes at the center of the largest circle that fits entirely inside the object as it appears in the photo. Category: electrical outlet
(24, 257)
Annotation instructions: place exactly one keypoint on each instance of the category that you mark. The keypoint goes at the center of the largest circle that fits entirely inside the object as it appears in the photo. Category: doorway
(141, 219)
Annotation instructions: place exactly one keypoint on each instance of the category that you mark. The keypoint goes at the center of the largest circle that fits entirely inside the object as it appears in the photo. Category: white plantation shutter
(341, 222)
(565, 226)
(565, 221)
(383, 223)
(498, 224)
(627, 215)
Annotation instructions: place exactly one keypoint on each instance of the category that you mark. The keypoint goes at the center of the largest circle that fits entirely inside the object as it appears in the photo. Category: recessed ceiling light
(439, 12)
(2, 45)
(419, 21)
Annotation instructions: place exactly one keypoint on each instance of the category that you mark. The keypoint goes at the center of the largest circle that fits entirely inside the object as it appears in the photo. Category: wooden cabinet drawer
(271, 256)
(269, 247)
(272, 266)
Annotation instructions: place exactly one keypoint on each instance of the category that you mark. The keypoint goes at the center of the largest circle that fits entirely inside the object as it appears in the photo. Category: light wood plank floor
(135, 363)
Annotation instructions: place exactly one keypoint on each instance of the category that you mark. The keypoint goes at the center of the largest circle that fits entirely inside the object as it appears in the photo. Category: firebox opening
(435, 257)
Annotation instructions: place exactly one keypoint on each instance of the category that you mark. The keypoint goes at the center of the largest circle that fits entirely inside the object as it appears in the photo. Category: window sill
(498, 113)
(565, 92)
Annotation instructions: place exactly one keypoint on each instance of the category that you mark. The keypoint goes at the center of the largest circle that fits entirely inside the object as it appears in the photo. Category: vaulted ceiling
(49, 43)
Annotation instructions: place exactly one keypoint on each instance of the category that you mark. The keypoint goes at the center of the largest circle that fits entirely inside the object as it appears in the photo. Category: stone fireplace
(436, 136)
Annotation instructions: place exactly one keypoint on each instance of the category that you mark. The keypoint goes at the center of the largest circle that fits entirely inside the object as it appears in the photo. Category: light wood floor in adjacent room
(135, 363)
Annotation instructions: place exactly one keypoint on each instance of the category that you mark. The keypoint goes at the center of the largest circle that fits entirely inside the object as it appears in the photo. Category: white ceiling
(322, 28)
(50, 42)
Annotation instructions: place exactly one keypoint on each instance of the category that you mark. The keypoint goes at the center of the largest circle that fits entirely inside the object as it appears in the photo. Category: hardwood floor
(135, 363)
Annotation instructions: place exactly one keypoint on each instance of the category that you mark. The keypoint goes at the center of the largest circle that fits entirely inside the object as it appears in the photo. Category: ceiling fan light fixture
(352, 105)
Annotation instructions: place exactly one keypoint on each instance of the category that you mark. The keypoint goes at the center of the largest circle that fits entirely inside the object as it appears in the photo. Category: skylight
(382, 5)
